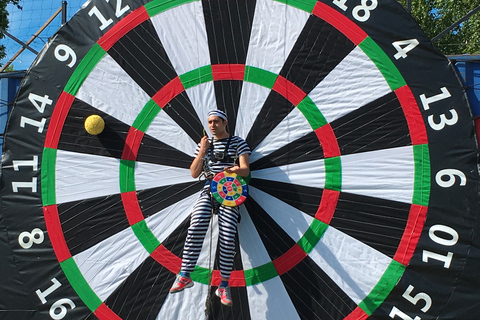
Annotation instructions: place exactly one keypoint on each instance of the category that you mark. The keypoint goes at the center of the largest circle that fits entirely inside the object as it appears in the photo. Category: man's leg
(227, 223)
(199, 222)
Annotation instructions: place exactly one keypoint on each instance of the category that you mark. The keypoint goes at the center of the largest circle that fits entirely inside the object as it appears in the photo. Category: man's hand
(204, 145)
(233, 169)
(242, 169)
(196, 167)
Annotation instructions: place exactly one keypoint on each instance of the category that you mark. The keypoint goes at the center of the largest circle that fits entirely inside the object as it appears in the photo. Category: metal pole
(64, 12)
(31, 39)
(24, 45)
(409, 6)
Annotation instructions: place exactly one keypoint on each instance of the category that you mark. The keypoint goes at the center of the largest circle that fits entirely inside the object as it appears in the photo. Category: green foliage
(4, 21)
(9, 68)
(435, 16)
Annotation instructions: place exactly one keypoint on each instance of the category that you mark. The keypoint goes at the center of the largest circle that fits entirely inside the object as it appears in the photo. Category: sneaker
(181, 283)
(225, 296)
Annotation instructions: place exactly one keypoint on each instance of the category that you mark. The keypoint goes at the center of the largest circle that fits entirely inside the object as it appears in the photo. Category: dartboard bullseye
(364, 177)
(229, 189)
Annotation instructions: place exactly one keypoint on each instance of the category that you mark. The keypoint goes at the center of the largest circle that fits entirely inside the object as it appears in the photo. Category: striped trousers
(199, 222)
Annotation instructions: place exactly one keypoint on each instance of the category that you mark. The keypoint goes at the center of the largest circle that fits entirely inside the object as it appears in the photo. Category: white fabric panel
(107, 264)
(269, 299)
(310, 174)
(386, 174)
(355, 267)
(183, 34)
(251, 101)
(149, 175)
(81, 176)
(293, 127)
(164, 129)
(355, 82)
(252, 250)
(110, 89)
(276, 27)
(163, 223)
(203, 100)
(186, 305)
(283, 214)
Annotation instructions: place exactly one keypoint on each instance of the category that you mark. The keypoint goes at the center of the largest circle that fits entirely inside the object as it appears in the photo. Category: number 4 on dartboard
(403, 47)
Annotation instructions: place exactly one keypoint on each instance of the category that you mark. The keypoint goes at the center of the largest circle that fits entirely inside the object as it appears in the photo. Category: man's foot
(181, 283)
(225, 296)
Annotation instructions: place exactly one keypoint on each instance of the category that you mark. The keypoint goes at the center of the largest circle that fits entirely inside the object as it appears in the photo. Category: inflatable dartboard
(363, 196)
(229, 189)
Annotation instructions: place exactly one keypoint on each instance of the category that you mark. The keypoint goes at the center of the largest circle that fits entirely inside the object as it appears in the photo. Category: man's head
(217, 123)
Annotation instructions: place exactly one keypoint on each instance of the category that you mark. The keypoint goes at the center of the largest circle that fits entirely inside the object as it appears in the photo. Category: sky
(26, 22)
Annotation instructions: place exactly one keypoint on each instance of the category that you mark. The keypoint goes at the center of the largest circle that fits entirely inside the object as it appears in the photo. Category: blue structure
(468, 67)
(9, 83)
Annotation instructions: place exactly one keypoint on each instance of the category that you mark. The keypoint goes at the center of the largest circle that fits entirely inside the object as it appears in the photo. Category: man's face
(217, 125)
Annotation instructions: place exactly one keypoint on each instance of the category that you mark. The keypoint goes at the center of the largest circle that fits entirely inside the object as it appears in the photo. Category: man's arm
(196, 167)
(243, 167)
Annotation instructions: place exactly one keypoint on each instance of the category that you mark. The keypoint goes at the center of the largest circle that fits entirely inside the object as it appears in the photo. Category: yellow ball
(94, 124)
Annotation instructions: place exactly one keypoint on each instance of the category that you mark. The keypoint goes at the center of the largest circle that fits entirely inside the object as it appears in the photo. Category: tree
(4, 22)
(435, 16)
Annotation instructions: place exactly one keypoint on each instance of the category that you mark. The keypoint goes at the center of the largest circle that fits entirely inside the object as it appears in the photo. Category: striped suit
(202, 211)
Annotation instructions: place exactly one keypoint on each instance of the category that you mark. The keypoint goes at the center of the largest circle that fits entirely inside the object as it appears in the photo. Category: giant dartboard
(364, 184)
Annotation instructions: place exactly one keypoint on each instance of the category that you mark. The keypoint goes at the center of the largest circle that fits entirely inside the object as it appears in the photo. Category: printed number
(362, 11)
(26, 163)
(44, 101)
(446, 259)
(443, 120)
(427, 101)
(59, 305)
(119, 11)
(341, 4)
(442, 241)
(397, 313)
(39, 124)
(64, 52)
(419, 296)
(450, 173)
(36, 236)
(104, 22)
(42, 295)
(403, 47)
(58, 310)
(27, 185)
(451, 241)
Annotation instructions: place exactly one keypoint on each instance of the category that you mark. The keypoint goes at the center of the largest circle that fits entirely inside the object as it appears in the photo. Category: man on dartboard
(224, 153)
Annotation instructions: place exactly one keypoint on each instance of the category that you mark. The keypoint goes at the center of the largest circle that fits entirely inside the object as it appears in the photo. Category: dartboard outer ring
(434, 255)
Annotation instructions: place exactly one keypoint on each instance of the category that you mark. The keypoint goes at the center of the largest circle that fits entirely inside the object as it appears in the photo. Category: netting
(24, 22)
